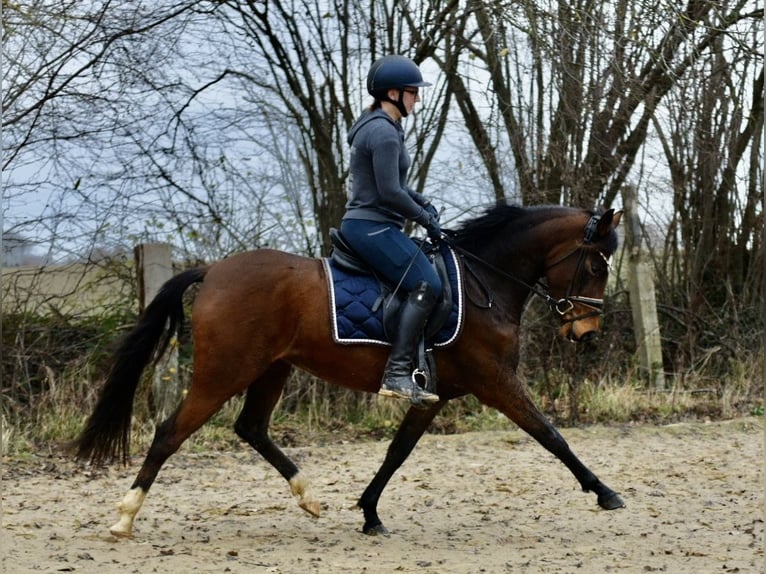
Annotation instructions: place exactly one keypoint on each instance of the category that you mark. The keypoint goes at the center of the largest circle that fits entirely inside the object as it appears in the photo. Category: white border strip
(459, 326)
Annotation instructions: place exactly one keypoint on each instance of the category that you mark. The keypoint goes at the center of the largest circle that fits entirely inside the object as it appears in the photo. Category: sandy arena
(479, 502)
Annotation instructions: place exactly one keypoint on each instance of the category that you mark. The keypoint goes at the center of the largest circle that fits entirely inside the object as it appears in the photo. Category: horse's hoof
(313, 507)
(119, 532)
(300, 488)
(377, 530)
(611, 501)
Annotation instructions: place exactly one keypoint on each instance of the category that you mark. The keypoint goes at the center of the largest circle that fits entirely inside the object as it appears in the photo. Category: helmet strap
(398, 103)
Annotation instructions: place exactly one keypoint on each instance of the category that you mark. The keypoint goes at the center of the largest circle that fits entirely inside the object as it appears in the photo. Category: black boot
(397, 378)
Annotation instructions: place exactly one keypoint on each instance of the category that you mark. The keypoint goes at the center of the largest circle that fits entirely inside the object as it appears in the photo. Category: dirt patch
(477, 502)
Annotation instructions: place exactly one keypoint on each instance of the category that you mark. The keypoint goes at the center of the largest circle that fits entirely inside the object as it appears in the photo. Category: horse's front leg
(413, 426)
(514, 402)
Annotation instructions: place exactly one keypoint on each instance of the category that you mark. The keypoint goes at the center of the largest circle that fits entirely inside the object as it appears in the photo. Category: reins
(560, 306)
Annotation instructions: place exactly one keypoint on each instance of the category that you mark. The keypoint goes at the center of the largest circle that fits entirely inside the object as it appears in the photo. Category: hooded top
(378, 189)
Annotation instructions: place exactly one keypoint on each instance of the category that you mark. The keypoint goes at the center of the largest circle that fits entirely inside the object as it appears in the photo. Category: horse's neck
(527, 263)
(508, 277)
(525, 257)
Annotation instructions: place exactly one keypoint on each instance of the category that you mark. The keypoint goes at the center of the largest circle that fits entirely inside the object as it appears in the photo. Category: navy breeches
(393, 255)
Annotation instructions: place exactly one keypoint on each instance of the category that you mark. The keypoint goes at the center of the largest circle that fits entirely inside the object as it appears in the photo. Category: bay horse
(259, 313)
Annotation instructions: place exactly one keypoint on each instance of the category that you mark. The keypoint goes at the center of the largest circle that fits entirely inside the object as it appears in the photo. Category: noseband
(560, 306)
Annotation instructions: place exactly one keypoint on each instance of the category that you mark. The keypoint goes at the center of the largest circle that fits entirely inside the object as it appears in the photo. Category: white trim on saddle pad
(361, 341)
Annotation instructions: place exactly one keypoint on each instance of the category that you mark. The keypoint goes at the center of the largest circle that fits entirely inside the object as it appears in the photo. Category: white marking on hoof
(300, 488)
(128, 509)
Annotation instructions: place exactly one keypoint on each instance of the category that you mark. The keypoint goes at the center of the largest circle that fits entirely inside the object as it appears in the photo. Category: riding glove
(430, 208)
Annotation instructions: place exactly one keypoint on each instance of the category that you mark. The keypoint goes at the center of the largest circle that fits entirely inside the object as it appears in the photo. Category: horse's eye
(596, 266)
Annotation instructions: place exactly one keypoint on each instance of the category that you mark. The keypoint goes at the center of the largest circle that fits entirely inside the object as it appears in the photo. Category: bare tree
(221, 125)
(711, 272)
(73, 99)
(576, 84)
(307, 79)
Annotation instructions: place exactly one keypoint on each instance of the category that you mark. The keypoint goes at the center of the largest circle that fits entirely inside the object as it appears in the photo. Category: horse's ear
(608, 221)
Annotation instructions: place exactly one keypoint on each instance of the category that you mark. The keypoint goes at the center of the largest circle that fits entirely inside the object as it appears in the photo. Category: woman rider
(380, 203)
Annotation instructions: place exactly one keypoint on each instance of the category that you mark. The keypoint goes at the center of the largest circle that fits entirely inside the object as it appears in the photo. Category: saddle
(378, 299)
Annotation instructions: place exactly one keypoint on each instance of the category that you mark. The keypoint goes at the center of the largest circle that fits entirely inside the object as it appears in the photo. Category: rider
(379, 205)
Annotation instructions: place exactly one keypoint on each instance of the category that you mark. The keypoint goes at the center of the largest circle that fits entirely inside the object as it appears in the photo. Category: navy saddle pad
(357, 312)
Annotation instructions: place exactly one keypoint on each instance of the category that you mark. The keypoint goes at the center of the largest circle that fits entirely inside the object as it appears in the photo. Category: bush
(53, 367)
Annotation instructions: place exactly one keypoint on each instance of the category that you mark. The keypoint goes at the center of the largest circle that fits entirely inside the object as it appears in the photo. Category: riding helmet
(393, 72)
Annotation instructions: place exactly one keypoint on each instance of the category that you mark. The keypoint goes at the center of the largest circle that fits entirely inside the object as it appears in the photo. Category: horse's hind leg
(253, 427)
(194, 410)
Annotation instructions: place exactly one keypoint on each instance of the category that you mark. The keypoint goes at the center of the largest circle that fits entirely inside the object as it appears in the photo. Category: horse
(259, 314)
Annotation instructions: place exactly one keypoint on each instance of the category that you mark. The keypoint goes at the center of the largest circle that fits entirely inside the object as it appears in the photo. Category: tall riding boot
(397, 378)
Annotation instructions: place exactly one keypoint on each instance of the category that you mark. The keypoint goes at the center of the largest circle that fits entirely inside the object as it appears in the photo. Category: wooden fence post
(154, 266)
(642, 297)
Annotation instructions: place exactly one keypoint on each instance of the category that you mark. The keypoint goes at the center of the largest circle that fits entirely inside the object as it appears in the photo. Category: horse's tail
(106, 436)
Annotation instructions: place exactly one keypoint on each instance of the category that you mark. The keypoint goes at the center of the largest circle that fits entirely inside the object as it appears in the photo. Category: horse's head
(570, 247)
(576, 272)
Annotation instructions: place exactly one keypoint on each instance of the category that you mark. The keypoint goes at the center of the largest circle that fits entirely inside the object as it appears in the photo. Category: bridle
(566, 304)
(560, 306)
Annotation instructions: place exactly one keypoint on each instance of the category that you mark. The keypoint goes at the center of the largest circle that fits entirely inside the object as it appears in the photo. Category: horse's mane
(505, 219)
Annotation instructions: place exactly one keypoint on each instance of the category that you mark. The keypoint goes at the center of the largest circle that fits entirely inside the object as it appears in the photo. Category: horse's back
(262, 293)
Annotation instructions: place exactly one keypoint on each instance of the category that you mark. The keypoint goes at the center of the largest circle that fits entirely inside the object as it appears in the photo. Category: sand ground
(479, 502)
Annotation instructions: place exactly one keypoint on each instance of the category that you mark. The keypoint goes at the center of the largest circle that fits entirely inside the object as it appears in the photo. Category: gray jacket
(378, 189)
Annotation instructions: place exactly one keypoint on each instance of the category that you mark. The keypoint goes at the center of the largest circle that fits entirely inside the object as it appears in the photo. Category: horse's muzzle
(581, 328)
(580, 317)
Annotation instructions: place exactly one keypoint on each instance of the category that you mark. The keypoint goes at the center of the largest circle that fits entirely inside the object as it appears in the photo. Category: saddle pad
(353, 297)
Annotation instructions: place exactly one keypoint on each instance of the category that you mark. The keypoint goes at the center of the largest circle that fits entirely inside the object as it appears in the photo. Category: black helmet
(393, 72)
